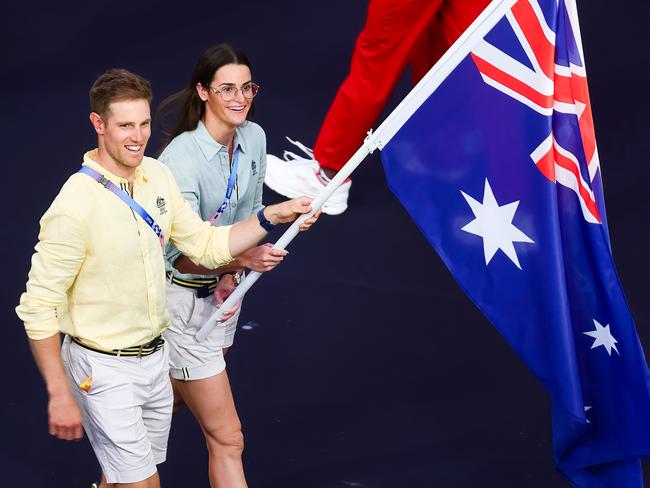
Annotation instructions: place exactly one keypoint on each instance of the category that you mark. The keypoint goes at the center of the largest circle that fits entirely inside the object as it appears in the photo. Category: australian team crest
(160, 203)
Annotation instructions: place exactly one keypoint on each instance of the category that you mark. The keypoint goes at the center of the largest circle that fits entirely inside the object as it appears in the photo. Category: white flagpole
(397, 118)
(287, 237)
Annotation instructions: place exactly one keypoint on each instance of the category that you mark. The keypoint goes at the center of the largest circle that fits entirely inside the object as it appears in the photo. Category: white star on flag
(587, 408)
(603, 337)
(494, 224)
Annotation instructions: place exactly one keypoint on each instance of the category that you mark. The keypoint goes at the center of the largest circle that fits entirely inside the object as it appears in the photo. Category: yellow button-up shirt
(98, 272)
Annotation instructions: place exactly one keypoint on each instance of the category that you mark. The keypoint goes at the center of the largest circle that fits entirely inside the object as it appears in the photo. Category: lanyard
(231, 185)
(126, 198)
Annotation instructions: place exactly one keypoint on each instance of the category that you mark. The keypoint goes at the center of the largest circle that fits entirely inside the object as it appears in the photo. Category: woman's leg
(179, 401)
(212, 404)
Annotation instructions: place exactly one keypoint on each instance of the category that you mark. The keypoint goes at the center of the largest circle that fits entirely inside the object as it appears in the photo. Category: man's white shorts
(189, 359)
(127, 411)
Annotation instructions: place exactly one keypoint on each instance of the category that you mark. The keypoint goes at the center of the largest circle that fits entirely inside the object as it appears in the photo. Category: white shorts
(127, 411)
(189, 359)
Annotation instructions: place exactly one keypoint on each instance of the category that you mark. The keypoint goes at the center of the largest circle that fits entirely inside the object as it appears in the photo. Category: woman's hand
(224, 289)
(309, 222)
(288, 211)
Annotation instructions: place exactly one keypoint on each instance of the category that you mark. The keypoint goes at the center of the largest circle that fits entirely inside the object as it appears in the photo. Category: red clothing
(397, 32)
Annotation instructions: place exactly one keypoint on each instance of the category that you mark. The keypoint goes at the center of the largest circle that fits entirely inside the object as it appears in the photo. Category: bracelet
(268, 226)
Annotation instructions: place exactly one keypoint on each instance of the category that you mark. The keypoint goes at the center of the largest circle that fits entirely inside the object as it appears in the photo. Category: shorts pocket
(180, 305)
(79, 368)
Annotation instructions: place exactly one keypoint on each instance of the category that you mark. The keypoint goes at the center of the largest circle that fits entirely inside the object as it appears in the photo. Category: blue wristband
(268, 226)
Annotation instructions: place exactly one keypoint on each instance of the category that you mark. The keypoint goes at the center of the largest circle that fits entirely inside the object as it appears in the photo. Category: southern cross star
(494, 224)
(603, 337)
(587, 408)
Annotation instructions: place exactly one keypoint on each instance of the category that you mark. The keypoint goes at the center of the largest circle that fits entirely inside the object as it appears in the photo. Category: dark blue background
(368, 366)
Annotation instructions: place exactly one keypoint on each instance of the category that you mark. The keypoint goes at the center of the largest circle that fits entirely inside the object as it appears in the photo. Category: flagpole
(378, 139)
(288, 236)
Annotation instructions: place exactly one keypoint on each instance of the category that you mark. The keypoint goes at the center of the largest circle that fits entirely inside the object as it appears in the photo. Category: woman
(219, 160)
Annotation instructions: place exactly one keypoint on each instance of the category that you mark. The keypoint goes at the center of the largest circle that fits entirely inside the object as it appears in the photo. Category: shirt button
(233, 204)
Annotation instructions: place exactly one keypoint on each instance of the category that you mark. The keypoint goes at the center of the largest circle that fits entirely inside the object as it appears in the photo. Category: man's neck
(105, 161)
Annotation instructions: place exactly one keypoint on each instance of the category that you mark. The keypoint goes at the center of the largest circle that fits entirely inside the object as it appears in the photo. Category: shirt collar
(90, 160)
(209, 147)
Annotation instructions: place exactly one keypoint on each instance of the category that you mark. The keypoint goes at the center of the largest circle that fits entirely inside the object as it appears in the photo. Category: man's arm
(249, 232)
(64, 418)
(56, 263)
(260, 258)
(212, 247)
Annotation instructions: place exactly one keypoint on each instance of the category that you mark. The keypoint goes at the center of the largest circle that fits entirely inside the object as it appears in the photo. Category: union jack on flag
(494, 156)
(554, 84)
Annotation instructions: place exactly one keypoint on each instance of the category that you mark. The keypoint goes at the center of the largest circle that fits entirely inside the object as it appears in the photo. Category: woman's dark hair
(191, 106)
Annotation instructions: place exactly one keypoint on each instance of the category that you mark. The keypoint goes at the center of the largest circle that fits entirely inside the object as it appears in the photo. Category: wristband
(268, 226)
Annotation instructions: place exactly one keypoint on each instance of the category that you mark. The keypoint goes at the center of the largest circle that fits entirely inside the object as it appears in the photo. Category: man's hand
(64, 418)
(224, 289)
(262, 258)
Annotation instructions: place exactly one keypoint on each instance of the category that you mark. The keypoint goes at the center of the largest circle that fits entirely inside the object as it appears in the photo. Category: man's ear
(98, 123)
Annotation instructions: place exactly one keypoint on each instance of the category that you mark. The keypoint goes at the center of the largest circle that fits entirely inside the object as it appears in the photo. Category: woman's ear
(203, 93)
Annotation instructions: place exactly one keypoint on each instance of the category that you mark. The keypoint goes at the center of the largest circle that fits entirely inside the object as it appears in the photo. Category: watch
(268, 226)
(236, 276)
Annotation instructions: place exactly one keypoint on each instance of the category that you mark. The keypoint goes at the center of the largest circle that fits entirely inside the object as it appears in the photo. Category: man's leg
(157, 408)
(381, 54)
(111, 403)
(453, 18)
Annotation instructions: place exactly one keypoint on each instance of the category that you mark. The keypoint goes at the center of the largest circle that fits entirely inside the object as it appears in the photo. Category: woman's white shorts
(189, 359)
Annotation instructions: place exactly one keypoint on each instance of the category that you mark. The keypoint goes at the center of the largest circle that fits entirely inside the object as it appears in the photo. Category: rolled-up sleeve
(55, 264)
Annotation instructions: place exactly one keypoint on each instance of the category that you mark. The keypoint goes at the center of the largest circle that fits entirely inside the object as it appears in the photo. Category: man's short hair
(115, 85)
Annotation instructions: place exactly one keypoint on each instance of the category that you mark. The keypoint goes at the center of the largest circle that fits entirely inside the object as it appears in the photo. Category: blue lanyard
(231, 185)
(126, 198)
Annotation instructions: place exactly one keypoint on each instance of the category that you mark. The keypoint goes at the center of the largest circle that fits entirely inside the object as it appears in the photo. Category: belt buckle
(140, 350)
(203, 292)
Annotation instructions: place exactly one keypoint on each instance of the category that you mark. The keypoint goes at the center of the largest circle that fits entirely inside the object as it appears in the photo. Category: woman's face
(228, 80)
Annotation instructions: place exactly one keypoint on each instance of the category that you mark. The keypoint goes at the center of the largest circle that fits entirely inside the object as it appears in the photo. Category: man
(397, 33)
(98, 276)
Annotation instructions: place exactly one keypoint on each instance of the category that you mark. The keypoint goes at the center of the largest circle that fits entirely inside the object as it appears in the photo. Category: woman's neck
(219, 131)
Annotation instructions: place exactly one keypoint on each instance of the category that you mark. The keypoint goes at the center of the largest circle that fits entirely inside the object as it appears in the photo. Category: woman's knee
(231, 439)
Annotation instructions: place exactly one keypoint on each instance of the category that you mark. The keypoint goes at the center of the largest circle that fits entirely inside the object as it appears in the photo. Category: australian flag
(496, 161)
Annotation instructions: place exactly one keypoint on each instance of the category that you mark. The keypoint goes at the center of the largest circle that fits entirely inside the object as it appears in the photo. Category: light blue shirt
(201, 167)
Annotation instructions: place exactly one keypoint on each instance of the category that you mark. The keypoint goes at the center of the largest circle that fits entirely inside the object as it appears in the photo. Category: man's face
(123, 133)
